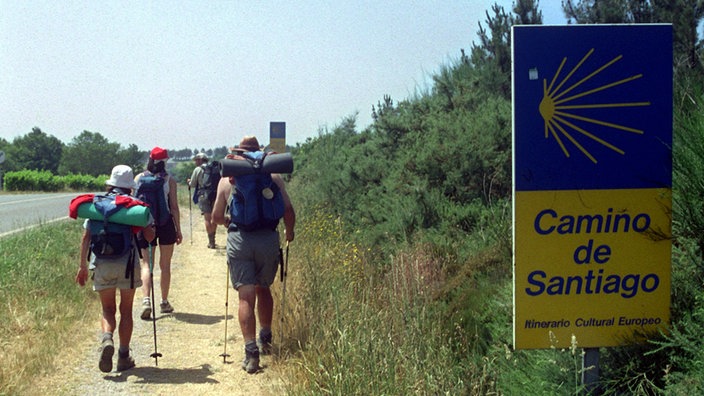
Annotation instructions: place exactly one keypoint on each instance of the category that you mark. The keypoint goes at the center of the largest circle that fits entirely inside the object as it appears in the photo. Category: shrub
(31, 180)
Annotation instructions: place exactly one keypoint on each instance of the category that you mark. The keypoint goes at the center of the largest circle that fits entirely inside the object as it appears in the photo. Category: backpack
(211, 178)
(150, 189)
(257, 202)
(111, 241)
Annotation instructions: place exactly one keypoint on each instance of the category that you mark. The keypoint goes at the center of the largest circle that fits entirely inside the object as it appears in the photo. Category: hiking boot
(107, 349)
(166, 307)
(124, 362)
(146, 310)
(211, 245)
(264, 344)
(251, 362)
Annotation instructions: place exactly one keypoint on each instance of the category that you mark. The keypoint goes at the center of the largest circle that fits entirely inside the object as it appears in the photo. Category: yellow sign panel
(594, 264)
(277, 145)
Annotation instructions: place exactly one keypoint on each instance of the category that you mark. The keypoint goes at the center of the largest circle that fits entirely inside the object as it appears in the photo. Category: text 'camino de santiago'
(548, 222)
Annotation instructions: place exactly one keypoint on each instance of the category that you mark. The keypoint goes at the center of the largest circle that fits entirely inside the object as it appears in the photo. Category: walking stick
(190, 211)
(156, 355)
(284, 273)
(224, 353)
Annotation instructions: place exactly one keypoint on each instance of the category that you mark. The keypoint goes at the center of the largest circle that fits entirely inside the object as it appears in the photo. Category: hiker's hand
(179, 237)
(289, 235)
(82, 275)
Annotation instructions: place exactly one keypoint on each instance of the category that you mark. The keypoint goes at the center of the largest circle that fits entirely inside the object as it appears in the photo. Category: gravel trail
(190, 339)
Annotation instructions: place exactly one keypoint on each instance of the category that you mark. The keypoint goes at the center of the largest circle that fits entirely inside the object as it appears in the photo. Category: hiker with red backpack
(204, 180)
(253, 242)
(110, 251)
(157, 188)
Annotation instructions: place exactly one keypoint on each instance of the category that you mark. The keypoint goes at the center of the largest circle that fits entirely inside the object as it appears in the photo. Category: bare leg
(265, 306)
(248, 322)
(165, 254)
(109, 304)
(126, 323)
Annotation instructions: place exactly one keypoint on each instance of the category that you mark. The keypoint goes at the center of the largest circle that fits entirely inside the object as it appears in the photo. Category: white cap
(122, 177)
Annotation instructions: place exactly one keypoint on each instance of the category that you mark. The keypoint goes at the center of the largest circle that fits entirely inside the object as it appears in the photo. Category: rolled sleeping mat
(233, 167)
(273, 163)
(278, 163)
(136, 215)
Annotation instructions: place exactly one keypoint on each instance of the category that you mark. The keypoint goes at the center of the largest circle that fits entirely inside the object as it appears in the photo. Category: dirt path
(190, 339)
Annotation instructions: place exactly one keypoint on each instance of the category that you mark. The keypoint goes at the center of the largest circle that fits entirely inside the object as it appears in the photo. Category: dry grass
(40, 311)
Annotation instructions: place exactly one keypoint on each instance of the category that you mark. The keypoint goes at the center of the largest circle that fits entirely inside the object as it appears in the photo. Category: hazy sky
(192, 74)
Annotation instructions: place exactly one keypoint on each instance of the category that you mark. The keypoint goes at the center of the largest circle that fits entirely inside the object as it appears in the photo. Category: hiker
(203, 195)
(252, 257)
(110, 275)
(156, 187)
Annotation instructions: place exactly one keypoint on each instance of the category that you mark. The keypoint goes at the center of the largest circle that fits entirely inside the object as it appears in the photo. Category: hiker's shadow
(156, 375)
(198, 318)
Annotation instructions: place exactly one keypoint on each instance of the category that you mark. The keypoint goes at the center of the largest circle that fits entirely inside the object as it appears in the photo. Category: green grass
(41, 303)
(364, 324)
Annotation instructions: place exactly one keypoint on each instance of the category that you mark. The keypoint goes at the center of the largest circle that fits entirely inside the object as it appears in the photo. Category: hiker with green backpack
(258, 201)
(204, 180)
(109, 249)
(157, 188)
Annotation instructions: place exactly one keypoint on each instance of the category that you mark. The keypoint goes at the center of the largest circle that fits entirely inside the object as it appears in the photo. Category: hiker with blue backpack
(256, 204)
(157, 188)
(109, 249)
(204, 180)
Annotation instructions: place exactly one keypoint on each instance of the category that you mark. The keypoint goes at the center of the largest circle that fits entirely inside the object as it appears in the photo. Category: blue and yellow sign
(277, 136)
(592, 183)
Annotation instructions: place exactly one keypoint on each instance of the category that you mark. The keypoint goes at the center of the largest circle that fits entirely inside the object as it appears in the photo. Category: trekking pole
(156, 355)
(190, 212)
(284, 273)
(224, 353)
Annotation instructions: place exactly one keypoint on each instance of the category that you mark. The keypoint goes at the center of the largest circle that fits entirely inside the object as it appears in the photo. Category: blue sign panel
(592, 107)
(277, 130)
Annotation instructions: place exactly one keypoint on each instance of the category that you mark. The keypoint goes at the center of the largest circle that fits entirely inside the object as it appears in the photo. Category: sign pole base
(590, 371)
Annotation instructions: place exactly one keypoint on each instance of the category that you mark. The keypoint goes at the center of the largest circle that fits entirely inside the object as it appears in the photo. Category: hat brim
(113, 183)
(245, 149)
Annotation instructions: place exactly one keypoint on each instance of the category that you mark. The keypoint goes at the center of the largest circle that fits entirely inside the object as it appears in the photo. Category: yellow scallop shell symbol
(556, 111)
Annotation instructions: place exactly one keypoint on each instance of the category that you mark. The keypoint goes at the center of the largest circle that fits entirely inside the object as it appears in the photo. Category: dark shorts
(204, 203)
(253, 257)
(165, 235)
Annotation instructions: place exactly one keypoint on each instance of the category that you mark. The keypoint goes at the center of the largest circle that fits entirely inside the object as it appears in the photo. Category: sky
(202, 74)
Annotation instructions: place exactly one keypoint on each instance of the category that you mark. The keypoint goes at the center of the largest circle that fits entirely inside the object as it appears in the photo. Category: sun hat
(159, 154)
(122, 177)
(248, 143)
(203, 156)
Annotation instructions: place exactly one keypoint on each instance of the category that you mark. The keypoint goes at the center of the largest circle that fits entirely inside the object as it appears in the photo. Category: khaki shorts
(111, 274)
(253, 257)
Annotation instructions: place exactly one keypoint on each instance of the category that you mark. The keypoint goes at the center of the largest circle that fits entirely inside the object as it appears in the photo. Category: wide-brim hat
(248, 143)
(159, 154)
(202, 156)
(122, 177)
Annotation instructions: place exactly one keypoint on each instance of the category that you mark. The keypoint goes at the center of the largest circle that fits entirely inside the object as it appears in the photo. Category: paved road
(26, 210)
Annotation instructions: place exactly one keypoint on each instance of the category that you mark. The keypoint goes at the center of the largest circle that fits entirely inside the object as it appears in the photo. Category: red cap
(158, 154)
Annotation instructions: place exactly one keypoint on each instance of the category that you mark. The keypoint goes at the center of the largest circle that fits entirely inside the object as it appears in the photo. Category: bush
(83, 182)
(31, 180)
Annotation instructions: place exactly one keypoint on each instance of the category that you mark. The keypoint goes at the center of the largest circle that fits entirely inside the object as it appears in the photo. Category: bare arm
(174, 209)
(218, 214)
(289, 212)
(82, 274)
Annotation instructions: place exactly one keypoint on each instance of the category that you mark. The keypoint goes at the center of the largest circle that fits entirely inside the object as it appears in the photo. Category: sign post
(592, 172)
(277, 136)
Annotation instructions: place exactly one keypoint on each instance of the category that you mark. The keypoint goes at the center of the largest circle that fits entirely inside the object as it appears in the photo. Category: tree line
(89, 153)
